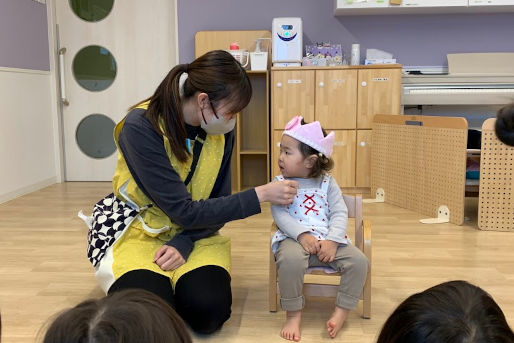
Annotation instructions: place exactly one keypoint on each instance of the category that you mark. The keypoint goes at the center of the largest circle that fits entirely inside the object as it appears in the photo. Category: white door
(114, 53)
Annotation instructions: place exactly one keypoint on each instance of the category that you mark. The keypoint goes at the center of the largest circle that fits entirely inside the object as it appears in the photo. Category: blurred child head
(504, 126)
(451, 312)
(132, 315)
(305, 149)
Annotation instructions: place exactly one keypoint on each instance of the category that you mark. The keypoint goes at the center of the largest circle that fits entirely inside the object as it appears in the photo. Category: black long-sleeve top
(146, 158)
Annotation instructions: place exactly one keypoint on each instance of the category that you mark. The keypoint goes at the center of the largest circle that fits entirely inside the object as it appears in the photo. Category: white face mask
(217, 125)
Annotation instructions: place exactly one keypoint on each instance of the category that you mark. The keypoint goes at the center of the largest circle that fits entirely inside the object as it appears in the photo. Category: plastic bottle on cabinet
(356, 55)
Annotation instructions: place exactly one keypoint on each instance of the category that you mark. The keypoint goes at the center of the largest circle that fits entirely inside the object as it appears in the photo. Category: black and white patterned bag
(110, 217)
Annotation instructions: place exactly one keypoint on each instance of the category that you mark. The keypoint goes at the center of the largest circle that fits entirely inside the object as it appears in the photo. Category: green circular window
(95, 136)
(91, 10)
(94, 68)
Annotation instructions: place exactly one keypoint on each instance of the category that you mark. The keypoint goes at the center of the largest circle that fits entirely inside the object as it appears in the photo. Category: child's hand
(327, 251)
(309, 243)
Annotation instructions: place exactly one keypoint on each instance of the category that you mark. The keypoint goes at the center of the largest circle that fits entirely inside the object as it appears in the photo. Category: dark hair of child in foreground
(129, 316)
(451, 312)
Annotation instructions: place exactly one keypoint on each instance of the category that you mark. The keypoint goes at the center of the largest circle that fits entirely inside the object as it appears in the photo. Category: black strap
(197, 150)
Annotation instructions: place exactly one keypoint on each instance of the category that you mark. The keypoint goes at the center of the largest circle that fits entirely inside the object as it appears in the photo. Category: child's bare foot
(336, 321)
(291, 329)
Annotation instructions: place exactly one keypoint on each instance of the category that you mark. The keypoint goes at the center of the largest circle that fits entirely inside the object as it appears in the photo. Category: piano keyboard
(458, 89)
(461, 91)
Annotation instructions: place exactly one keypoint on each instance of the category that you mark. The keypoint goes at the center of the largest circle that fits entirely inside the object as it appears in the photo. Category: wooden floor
(43, 266)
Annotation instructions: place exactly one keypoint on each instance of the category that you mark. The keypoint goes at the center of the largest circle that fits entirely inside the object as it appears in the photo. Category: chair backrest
(354, 205)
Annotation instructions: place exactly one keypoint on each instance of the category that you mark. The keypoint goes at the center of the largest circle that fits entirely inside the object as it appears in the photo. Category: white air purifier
(287, 42)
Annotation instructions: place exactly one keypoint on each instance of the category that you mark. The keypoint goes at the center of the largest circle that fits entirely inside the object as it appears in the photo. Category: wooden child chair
(325, 282)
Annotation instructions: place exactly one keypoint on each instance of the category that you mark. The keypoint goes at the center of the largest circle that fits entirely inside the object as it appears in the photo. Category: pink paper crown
(310, 134)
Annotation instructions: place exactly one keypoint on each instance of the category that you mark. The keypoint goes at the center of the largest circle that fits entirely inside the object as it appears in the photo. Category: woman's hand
(309, 243)
(168, 258)
(277, 192)
(328, 250)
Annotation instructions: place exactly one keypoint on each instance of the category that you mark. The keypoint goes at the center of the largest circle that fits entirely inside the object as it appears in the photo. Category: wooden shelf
(253, 152)
(250, 158)
(254, 170)
(258, 72)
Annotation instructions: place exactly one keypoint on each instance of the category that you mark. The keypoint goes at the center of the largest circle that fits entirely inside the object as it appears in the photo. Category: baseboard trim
(25, 71)
(28, 189)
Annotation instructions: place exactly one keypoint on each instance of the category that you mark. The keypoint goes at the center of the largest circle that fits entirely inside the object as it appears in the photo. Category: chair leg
(366, 297)
(272, 287)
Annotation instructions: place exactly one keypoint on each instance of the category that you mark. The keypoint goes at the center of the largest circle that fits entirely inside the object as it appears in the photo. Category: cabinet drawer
(378, 93)
(363, 159)
(275, 152)
(344, 158)
(336, 98)
(292, 95)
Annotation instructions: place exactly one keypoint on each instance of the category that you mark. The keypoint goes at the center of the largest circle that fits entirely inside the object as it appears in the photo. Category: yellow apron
(136, 248)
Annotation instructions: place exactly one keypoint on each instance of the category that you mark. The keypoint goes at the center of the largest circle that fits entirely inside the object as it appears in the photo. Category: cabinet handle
(362, 143)
(364, 84)
(321, 84)
(279, 84)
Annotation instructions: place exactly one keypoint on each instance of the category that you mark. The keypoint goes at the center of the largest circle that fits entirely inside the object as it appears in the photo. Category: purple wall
(415, 40)
(23, 35)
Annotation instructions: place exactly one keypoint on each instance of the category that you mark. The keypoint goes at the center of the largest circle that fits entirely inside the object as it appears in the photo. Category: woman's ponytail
(166, 99)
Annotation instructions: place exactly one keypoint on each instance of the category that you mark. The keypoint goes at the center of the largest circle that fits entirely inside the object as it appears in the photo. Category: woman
(159, 230)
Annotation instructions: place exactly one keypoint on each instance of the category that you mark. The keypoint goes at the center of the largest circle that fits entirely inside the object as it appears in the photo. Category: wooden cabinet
(250, 157)
(344, 158)
(343, 100)
(250, 160)
(293, 94)
(336, 98)
(275, 152)
(378, 93)
(363, 159)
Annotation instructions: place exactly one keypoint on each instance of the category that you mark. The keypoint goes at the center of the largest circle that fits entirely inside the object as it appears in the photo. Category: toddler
(312, 230)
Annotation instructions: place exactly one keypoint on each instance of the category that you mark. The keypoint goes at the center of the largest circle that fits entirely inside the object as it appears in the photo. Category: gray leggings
(292, 261)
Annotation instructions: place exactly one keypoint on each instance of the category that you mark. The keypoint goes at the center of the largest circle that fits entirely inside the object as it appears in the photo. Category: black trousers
(202, 297)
